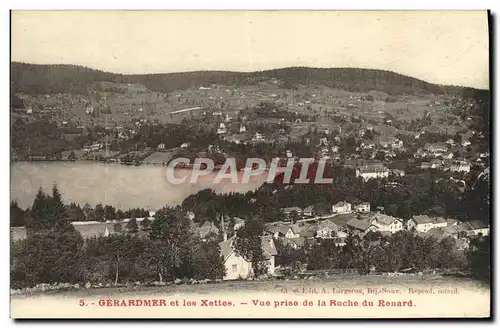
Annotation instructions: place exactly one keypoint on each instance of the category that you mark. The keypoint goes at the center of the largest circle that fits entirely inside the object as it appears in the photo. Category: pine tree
(40, 210)
(132, 226)
(16, 215)
(57, 210)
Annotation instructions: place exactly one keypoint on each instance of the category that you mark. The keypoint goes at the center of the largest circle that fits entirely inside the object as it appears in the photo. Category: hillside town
(410, 173)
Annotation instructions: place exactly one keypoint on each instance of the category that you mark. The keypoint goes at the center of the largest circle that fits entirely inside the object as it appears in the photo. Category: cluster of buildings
(360, 219)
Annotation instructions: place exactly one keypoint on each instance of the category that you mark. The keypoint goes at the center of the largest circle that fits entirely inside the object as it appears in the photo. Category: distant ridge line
(66, 78)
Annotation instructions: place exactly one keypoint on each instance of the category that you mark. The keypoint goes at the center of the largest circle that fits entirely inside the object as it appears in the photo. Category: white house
(364, 207)
(290, 210)
(326, 230)
(372, 172)
(386, 223)
(238, 267)
(282, 230)
(460, 166)
(474, 228)
(423, 223)
(221, 129)
(243, 129)
(238, 223)
(308, 211)
(342, 208)
(258, 137)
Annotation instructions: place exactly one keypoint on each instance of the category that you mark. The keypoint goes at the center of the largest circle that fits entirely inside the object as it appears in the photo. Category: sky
(444, 47)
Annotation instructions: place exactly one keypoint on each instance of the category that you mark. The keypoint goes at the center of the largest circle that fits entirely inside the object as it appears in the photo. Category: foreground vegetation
(55, 252)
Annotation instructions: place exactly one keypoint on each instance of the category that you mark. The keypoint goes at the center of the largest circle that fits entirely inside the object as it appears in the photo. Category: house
(18, 233)
(385, 143)
(238, 223)
(339, 242)
(364, 207)
(341, 220)
(342, 208)
(283, 231)
(295, 243)
(386, 223)
(238, 267)
(362, 225)
(90, 229)
(305, 229)
(258, 137)
(323, 142)
(438, 147)
(372, 172)
(161, 146)
(460, 166)
(450, 231)
(94, 147)
(398, 173)
(474, 228)
(237, 139)
(423, 223)
(206, 228)
(436, 233)
(427, 165)
(290, 210)
(221, 129)
(466, 143)
(326, 230)
(308, 211)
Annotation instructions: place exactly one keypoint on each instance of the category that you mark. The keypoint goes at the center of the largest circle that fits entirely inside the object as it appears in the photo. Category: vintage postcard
(250, 164)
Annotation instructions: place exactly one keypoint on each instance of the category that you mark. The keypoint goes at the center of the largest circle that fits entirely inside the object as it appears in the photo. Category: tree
(17, 215)
(174, 236)
(39, 211)
(47, 256)
(99, 213)
(110, 213)
(480, 259)
(160, 257)
(117, 249)
(146, 224)
(57, 209)
(207, 261)
(72, 156)
(132, 226)
(249, 245)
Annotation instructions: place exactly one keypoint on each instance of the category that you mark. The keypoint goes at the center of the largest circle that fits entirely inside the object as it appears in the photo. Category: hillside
(52, 79)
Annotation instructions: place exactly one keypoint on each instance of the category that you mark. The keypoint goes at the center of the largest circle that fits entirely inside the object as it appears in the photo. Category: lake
(121, 186)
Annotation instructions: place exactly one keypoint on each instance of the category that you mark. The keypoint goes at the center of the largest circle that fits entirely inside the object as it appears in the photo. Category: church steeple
(223, 226)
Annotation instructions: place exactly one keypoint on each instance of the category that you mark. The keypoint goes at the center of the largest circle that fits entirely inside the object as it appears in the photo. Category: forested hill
(49, 79)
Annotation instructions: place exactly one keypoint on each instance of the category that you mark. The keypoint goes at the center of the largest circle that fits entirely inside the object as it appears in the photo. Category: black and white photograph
(250, 164)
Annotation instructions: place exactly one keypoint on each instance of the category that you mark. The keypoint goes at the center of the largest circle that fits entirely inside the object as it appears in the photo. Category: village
(299, 227)
(405, 166)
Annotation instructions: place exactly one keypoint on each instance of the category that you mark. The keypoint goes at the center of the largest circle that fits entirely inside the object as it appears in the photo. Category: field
(432, 296)
(118, 104)
(158, 157)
